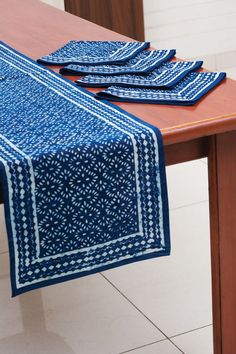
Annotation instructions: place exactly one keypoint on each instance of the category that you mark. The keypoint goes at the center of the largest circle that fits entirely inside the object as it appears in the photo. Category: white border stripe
(110, 108)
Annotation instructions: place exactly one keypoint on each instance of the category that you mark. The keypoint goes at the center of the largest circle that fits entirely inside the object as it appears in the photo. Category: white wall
(57, 3)
(196, 28)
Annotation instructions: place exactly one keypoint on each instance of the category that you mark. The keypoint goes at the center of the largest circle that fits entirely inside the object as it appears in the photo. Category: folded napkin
(94, 52)
(84, 181)
(167, 75)
(186, 93)
(143, 62)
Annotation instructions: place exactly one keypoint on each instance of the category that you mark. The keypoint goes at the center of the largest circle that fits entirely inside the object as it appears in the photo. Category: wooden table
(207, 129)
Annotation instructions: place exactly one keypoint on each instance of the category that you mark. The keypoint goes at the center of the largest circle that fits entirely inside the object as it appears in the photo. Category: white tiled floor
(165, 347)
(143, 308)
(174, 292)
(198, 341)
(181, 177)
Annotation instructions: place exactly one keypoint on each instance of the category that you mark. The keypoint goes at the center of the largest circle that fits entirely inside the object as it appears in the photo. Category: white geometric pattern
(187, 92)
(84, 181)
(94, 52)
(142, 63)
(166, 76)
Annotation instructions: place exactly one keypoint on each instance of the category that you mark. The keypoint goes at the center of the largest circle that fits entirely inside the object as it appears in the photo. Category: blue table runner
(84, 181)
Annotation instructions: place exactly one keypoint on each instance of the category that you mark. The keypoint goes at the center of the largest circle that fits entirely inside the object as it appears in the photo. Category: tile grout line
(191, 330)
(162, 340)
(144, 346)
(143, 314)
(189, 205)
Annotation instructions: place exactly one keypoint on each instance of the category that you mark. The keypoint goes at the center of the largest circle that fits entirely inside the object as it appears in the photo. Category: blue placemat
(144, 62)
(167, 75)
(84, 181)
(186, 93)
(94, 52)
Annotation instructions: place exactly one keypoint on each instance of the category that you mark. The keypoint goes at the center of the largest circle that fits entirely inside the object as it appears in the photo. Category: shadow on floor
(35, 338)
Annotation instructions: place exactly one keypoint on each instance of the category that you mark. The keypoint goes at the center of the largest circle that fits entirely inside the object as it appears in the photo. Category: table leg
(222, 193)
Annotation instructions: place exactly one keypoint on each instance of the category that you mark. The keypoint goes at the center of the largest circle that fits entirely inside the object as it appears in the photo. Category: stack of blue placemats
(94, 52)
(186, 93)
(142, 63)
(133, 74)
(167, 75)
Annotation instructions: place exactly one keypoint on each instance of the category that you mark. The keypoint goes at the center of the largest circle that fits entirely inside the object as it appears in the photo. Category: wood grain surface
(122, 16)
(222, 173)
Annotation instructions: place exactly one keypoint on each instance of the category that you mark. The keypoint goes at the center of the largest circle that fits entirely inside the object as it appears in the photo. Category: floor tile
(174, 292)
(10, 320)
(84, 316)
(187, 183)
(4, 266)
(96, 318)
(3, 235)
(196, 342)
(163, 347)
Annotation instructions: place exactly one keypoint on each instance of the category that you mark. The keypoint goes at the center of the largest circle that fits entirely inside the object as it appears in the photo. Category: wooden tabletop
(36, 29)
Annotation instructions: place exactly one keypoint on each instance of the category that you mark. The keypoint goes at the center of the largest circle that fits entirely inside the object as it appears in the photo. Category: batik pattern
(166, 76)
(94, 52)
(187, 92)
(143, 62)
(84, 181)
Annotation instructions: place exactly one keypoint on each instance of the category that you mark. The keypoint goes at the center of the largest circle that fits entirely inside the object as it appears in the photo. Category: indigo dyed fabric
(94, 52)
(166, 76)
(84, 181)
(186, 93)
(143, 62)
